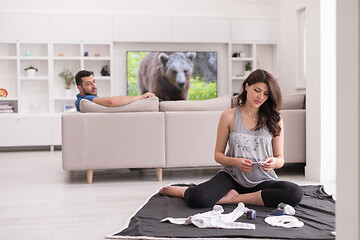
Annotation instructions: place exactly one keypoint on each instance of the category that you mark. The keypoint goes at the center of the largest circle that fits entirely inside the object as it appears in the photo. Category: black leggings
(207, 194)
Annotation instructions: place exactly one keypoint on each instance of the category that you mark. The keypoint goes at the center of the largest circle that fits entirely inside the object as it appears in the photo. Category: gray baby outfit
(253, 145)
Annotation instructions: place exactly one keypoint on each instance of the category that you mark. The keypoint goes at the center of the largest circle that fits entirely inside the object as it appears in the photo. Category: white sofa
(153, 134)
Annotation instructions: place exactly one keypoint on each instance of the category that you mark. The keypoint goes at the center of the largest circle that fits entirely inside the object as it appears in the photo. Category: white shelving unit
(8, 73)
(34, 92)
(259, 55)
(72, 56)
(39, 101)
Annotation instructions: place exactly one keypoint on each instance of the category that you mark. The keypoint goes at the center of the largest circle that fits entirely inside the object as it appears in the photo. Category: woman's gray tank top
(253, 145)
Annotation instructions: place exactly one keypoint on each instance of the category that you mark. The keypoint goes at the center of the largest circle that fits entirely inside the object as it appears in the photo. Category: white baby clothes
(215, 219)
(284, 221)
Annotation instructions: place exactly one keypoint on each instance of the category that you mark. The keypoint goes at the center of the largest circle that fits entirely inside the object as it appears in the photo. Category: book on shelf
(69, 108)
(6, 108)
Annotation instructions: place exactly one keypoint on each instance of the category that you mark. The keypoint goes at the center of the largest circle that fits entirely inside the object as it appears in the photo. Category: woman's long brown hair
(269, 115)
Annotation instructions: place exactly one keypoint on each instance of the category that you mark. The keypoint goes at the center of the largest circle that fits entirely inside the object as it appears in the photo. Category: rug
(316, 210)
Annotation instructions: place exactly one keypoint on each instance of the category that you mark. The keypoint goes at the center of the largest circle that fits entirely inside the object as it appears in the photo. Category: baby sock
(282, 209)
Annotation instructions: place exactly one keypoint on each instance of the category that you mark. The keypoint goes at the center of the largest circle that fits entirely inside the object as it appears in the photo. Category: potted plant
(247, 69)
(31, 71)
(68, 76)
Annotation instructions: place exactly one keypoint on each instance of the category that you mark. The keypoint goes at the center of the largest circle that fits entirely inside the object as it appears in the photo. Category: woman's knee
(295, 194)
(197, 199)
(282, 191)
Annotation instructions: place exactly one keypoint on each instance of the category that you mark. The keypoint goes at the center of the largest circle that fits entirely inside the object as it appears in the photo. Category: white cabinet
(81, 28)
(27, 27)
(253, 55)
(25, 130)
(203, 30)
(142, 29)
(38, 101)
(260, 30)
(171, 29)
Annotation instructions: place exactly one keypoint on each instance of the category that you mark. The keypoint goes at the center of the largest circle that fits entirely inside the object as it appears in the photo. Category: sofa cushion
(296, 101)
(215, 104)
(143, 105)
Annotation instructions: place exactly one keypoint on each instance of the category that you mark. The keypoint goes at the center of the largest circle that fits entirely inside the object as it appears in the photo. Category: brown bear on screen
(166, 74)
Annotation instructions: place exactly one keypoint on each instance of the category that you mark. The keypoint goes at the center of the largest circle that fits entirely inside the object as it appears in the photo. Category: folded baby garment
(285, 221)
(215, 219)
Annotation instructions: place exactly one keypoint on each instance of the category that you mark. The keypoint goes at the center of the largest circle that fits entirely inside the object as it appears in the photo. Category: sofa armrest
(294, 135)
(113, 140)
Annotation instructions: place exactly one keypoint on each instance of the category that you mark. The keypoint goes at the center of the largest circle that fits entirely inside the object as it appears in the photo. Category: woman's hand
(269, 164)
(244, 165)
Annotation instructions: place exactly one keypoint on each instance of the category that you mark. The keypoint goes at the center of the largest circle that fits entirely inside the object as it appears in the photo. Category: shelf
(97, 48)
(259, 55)
(238, 78)
(33, 50)
(65, 99)
(64, 58)
(8, 99)
(102, 78)
(8, 58)
(33, 58)
(97, 58)
(8, 49)
(240, 59)
(34, 78)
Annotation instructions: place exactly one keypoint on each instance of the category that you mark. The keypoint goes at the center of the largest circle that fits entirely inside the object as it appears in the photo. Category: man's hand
(147, 95)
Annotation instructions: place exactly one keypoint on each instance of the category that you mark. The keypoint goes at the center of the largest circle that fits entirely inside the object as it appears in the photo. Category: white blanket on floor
(215, 219)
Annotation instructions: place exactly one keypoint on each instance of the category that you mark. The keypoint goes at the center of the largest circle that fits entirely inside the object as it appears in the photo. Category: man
(87, 87)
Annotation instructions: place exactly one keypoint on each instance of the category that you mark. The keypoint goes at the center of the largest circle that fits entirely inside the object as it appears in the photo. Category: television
(178, 75)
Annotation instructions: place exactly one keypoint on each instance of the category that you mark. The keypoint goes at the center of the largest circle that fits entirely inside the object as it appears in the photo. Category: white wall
(288, 45)
(197, 8)
(348, 120)
(320, 93)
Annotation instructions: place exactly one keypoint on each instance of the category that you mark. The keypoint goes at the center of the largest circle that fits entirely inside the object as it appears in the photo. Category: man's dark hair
(80, 75)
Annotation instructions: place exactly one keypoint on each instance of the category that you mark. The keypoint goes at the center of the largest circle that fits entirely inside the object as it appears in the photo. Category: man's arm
(120, 100)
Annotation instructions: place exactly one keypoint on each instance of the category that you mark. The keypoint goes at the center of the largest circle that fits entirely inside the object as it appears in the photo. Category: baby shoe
(282, 209)
(288, 209)
(250, 214)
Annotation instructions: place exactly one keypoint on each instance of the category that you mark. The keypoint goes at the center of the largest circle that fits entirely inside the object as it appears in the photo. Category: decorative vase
(68, 83)
(31, 72)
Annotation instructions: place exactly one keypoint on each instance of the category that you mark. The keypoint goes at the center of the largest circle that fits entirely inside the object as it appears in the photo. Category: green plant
(248, 67)
(68, 76)
(202, 90)
(31, 67)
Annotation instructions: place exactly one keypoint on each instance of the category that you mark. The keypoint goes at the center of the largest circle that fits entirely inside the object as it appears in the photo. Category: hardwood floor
(38, 200)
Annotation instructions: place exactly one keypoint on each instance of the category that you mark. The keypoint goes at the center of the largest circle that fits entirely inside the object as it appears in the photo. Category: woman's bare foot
(229, 197)
(233, 196)
(173, 191)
